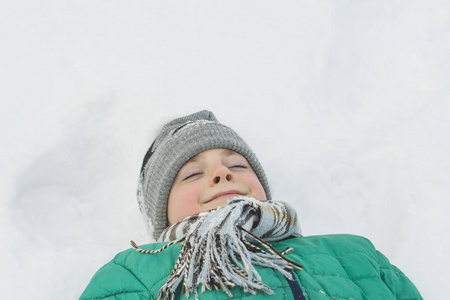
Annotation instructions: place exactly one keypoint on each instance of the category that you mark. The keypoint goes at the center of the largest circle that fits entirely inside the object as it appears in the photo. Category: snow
(346, 106)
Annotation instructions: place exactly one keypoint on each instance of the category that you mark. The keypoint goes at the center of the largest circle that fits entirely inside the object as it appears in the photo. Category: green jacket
(335, 267)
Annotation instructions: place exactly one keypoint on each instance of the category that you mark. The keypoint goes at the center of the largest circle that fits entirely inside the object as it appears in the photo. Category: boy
(203, 189)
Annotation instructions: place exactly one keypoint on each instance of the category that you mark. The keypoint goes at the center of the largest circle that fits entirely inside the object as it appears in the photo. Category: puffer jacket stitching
(113, 295)
(348, 278)
(241, 297)
(120, 265)
(284, 284)
(335, 255)
(399, 273)
(157, 282)
(302, 287)
(162, 278)
(322, 292)
(393, 270)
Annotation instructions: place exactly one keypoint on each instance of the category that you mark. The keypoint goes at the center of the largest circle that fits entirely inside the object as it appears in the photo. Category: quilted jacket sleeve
(397, 282)
(114, 282)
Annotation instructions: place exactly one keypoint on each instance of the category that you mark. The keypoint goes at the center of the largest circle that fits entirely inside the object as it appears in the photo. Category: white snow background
(346, 104)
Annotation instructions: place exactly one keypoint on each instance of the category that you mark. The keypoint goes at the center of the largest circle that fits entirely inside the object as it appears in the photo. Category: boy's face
(211, 179)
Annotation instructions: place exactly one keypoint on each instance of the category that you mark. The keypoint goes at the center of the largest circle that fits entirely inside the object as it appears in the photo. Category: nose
(221, 173)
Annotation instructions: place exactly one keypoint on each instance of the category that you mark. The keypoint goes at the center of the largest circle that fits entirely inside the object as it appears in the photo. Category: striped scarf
(220, 247)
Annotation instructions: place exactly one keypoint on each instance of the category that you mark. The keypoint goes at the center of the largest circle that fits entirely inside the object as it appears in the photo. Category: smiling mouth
(225, 195)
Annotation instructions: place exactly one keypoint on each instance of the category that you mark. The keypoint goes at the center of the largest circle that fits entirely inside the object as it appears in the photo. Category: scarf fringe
(234, 275)
(217, 253)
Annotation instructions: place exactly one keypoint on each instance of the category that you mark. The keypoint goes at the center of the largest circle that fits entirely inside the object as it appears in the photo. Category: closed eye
(192, 175)
(238, 166)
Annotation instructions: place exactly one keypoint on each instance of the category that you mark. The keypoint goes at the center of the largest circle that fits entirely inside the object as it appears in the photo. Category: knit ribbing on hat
(178, 142)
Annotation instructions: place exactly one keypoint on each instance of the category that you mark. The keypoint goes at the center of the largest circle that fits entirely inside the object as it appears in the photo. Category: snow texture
(345, 103)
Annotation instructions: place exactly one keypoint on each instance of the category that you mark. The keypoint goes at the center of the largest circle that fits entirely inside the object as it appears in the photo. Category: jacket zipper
(295, 287)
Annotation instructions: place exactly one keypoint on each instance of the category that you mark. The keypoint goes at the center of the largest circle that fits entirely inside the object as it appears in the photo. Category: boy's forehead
(220, 151)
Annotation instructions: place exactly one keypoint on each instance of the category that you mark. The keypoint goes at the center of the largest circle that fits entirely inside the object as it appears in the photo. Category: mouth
(226, 194)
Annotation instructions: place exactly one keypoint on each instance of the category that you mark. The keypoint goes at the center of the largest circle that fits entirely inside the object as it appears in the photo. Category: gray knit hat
(179, 141)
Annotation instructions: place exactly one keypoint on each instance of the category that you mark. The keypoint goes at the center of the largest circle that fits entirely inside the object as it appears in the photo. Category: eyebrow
(229, 152)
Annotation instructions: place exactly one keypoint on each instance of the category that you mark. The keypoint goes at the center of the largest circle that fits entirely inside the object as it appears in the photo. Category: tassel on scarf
(220, 247)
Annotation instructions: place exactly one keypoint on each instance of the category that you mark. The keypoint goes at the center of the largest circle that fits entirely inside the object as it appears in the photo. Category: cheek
(182, 203)
(183, 210)
(256, 187)
(259, 193)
